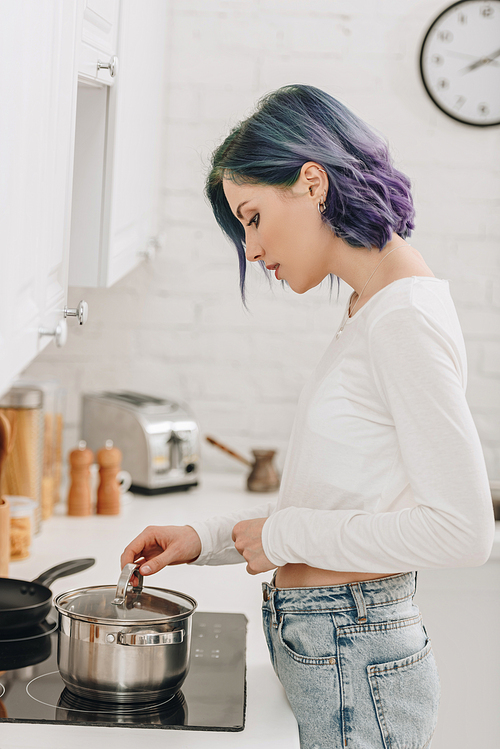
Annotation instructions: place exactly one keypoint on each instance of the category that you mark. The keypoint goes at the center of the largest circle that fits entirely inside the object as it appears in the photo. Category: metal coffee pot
(263, 477)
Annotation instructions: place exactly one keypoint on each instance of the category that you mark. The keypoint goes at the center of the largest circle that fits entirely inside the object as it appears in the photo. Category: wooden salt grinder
(108, 492)
(79, 501)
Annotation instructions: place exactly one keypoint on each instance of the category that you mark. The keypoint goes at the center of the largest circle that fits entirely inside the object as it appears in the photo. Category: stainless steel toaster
(159, 438)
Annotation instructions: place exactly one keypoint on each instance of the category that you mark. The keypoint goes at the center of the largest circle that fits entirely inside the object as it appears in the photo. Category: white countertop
(269, 720)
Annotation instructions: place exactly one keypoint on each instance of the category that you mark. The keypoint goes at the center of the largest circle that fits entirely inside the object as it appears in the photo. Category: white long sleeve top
(384, 471)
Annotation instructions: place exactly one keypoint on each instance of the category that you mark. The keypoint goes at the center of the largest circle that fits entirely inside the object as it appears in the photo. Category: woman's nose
(253, 251)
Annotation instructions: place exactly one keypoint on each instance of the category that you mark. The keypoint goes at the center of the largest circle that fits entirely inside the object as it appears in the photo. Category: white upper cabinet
(98, 27)
(116, 180)
(79, 158)
(37, 124)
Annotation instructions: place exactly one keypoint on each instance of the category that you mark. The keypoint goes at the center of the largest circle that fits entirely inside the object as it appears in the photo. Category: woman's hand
(247, 537)
(159, 545)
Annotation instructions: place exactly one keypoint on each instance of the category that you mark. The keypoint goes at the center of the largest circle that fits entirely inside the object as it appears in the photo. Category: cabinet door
(116, 201)
(38, 95)
(132, 202)
(98, 22)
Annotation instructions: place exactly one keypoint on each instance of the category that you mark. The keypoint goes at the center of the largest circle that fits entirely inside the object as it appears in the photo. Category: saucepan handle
(62, 570)
(151, 638)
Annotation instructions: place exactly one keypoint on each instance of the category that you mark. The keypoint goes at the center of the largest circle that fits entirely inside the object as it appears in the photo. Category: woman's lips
(274, 268)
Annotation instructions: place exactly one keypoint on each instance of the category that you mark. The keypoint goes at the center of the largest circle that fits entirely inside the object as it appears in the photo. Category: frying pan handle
(61, 570)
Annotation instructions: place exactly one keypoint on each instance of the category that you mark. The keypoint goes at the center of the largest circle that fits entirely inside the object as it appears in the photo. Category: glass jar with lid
(22, 470)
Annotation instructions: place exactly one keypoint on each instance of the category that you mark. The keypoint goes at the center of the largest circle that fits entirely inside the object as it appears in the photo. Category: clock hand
(457, 54)
(481, 61)
(452, 53)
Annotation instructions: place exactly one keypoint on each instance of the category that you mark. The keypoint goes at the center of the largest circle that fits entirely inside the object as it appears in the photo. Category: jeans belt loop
(274, 618)
(359, 600)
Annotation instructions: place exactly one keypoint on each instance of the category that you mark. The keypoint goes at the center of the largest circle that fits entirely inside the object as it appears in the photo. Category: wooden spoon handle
(230, 452)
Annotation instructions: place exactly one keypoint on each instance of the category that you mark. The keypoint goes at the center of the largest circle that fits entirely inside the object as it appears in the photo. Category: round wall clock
(460, 62)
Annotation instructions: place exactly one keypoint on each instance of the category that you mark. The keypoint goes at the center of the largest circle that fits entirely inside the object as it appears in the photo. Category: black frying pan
(23, 604)
(18, 651)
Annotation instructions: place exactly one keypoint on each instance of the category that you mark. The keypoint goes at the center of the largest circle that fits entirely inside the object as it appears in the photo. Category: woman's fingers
(247, 537)
(141, 546)
(158, 546)
(155, 564)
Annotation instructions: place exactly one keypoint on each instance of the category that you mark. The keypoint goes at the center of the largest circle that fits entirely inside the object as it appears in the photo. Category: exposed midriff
(303, 576)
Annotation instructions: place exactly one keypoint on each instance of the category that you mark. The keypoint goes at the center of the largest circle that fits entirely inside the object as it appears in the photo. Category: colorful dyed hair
(368, 199)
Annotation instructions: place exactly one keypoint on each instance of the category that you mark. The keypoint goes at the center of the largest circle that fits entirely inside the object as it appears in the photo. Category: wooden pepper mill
(79, 497)
(108, 492)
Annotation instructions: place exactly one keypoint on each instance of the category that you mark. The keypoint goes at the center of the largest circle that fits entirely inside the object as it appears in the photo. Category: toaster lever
(175, 456)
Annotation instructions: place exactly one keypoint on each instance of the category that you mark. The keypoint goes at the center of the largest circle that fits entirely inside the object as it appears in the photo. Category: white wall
(177, 326)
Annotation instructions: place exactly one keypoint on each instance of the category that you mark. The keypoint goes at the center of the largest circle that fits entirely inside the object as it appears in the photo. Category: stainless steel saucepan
(124, 644)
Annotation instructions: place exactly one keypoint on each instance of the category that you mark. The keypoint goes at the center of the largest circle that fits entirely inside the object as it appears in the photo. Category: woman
(384, 473)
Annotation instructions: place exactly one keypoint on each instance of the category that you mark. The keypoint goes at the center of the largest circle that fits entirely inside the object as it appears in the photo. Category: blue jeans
(355, 662)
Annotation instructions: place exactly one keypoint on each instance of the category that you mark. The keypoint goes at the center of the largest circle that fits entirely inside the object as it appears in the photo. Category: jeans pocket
(406, 697)
(308, 638)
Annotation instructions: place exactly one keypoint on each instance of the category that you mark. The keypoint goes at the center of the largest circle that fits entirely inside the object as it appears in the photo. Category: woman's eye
(255, 220)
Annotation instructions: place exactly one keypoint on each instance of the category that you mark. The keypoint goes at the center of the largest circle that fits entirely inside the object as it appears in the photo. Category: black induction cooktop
(212, 698)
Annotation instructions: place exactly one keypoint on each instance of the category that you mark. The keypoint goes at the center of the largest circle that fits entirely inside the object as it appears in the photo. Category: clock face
(460, 62)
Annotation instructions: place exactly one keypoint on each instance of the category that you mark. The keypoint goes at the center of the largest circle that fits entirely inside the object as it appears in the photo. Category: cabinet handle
(112, 66)
(60, 333)
(82, 312)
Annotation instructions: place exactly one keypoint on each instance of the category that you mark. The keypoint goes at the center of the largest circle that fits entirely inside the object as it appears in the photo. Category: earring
(322, 204)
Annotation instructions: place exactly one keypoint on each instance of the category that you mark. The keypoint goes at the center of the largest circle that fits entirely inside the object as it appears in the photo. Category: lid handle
(124, 581)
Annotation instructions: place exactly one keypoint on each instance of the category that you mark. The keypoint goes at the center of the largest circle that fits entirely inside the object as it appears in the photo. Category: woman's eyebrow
(238, 212)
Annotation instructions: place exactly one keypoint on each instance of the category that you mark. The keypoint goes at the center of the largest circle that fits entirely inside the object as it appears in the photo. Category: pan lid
(107, 603)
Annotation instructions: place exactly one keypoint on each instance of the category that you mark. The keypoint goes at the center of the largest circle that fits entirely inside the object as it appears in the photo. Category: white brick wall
(177, 326)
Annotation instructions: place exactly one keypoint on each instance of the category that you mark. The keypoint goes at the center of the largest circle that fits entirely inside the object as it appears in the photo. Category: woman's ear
(315, 180)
